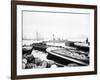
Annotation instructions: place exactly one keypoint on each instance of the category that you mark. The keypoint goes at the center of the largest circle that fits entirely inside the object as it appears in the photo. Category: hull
(26, 49)
(81, 46)
(65, 59)
(40, 46)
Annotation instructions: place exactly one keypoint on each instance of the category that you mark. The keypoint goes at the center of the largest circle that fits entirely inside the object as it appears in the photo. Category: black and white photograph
(53, 39)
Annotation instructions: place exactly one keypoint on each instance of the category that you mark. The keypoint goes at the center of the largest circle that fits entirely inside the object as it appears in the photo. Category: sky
(62, 25)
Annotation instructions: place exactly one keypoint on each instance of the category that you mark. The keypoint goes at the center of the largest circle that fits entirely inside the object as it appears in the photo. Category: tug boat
(82, 46)
(40, 46)
(27, 49)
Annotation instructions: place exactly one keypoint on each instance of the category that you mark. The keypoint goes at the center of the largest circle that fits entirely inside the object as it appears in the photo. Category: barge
(66, 57)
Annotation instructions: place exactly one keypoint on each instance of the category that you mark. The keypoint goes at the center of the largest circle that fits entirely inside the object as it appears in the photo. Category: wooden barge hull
(65, 60)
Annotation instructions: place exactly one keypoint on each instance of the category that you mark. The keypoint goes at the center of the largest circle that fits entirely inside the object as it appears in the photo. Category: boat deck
(68, 55)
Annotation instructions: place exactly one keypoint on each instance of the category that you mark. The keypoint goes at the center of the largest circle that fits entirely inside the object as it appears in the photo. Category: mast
(37, 36)
(53, 39)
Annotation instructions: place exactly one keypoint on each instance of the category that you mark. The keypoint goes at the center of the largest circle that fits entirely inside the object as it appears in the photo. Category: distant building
(69, 43)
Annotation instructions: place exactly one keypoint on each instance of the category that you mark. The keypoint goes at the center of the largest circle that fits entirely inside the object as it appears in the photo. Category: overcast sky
(63, 25)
